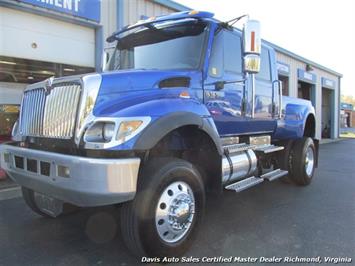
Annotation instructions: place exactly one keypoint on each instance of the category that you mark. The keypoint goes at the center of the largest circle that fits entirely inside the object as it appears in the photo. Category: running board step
(244, 184)
(235, 148)
(268, 148)
(275, 174)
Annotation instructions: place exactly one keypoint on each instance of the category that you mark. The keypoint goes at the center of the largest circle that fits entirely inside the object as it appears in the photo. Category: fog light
(63, 171)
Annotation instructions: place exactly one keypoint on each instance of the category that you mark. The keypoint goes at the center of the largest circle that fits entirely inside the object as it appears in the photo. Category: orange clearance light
(184, 94)
(252, 42)
(193, 12)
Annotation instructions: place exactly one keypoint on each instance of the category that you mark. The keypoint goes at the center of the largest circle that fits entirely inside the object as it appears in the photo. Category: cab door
(225, 64)
(264, 120)
(225, 104)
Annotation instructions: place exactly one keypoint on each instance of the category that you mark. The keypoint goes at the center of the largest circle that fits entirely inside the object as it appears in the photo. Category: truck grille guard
(58, 108)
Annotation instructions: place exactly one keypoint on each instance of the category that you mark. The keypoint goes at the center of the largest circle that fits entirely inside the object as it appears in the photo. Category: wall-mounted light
(309, 67)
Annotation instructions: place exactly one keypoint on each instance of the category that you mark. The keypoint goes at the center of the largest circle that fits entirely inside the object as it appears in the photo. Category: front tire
(302, 161)
(163, 218)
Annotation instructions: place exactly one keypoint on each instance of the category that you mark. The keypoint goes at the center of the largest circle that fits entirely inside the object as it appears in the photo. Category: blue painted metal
(328, 83)
(347, 106)
(306, 76)
(134, 93)
(170, 17)
(172, 5)
(24, 7)
(88, 9)
(295, 112)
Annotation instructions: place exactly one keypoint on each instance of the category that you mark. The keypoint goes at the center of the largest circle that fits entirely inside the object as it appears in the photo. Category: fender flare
(164, 125)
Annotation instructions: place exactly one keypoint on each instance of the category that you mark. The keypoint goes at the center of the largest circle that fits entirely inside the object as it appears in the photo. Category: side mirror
(251, 46)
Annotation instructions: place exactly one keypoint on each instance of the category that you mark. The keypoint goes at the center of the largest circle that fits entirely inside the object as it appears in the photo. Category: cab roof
(173, 16)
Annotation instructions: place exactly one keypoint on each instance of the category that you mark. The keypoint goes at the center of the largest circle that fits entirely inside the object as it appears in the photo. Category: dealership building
(44, 38)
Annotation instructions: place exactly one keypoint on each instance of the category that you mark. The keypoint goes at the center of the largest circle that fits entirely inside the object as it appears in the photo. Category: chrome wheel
(309, 161)
(175, 212)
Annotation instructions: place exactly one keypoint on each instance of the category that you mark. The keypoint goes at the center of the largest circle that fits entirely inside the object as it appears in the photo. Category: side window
(216, 58)
(265, 72)
(226, 54)
(232, 53)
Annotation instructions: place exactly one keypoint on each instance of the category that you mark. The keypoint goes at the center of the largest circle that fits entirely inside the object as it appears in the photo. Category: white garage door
(30, 36)
(11, 93)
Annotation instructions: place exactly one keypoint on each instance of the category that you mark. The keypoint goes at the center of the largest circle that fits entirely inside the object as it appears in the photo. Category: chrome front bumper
(77, 180)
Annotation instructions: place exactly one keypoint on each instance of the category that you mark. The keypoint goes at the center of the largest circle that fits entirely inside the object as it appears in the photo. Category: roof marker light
(193, 12)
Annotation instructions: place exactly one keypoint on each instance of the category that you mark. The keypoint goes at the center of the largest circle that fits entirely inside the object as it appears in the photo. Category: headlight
(110, 132)
(100, 132)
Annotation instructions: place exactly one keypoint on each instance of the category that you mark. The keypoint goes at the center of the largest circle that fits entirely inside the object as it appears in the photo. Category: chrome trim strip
(91, 85)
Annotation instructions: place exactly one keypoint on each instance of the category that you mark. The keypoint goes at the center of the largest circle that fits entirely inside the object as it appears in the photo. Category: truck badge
(48, 85)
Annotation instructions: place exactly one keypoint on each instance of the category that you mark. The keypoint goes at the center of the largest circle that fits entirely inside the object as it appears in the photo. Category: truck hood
(136, 80)
(139, 92)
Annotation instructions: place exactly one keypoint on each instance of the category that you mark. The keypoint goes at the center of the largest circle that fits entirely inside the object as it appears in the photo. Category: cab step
(268, 148)
(235, 148)
(240, 147)
(245, 184)
(275, 174)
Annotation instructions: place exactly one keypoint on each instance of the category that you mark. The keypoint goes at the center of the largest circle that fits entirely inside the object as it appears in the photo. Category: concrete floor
(272, 219)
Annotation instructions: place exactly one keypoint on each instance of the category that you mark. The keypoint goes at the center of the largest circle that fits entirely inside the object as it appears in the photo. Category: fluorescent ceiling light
(47, 72)
(30, 77)
(7, 62)
(69, 69)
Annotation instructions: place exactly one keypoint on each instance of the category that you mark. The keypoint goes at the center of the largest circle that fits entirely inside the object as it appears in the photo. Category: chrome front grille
(50, 115)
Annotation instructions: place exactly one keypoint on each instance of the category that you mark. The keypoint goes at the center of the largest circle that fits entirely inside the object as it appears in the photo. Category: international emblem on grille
(48, 85)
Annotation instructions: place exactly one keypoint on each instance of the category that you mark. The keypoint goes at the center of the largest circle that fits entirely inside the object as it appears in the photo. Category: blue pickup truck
(187, 106)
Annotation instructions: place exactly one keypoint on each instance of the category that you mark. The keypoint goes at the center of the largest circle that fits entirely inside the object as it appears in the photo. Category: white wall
(56, 41)
(11, 93)
(294, 65)
(133, 9)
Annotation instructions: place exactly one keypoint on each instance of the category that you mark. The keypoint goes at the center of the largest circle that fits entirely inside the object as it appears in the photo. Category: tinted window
(164, 46)
(226, 54)
(232, 53)
(216, 58)
(265, 65)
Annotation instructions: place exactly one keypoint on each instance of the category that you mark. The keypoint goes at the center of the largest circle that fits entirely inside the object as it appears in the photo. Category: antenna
(231, 22)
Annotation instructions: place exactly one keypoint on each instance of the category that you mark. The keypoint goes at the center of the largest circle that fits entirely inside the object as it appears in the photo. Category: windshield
(165, 45)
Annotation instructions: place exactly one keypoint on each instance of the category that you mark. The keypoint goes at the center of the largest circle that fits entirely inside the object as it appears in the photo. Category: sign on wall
(306, 76)
(328, 83)
(283, 68)
(88, 9)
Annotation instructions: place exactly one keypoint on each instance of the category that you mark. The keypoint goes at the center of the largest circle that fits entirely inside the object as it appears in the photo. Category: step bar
(253, 181)
(240, 147)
